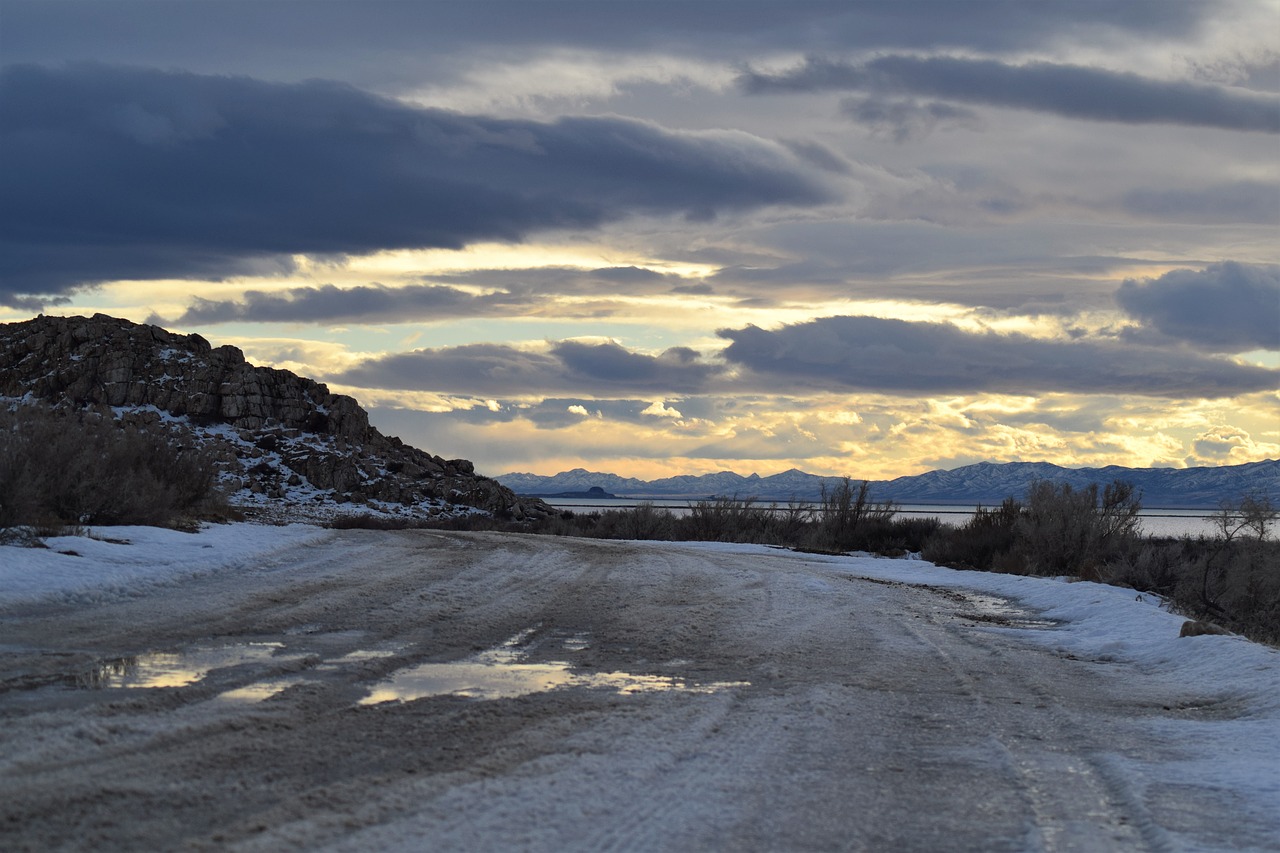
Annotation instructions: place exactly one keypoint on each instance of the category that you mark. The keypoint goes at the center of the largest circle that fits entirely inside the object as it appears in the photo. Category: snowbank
(1096, 621)
(125, 561)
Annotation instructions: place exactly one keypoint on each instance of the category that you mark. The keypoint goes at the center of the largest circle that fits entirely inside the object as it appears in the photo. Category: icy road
(305, 689)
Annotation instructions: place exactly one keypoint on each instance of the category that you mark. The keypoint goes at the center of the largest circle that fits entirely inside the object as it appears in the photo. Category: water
(497, 673)
(175, 669)
(502, 672)
(259, 691)
(1154, 521)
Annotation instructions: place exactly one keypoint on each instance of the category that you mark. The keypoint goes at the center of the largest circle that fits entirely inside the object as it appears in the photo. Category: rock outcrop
(283, 437)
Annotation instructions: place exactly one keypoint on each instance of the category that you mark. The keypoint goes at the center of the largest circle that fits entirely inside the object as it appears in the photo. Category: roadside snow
(114, 562)
(1098, 622)
(1235, 727)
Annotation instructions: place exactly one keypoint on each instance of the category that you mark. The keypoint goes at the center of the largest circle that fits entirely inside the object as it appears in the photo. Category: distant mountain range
(985, 483)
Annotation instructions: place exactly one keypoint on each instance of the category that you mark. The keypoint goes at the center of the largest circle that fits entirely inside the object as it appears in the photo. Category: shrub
(847, 520)
(895, 536)
(844, 514)
(1252, 515)
(643, 521)
(1068, 532)
(77, 467)
(977, 543)
(740, 520)
(720, 520)
(1235, 583)
(369, 521)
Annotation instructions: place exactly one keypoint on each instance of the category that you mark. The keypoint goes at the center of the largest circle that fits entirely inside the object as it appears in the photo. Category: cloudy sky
(653, 238)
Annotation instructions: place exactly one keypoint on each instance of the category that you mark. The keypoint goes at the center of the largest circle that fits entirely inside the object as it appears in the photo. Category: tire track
(1078, 798)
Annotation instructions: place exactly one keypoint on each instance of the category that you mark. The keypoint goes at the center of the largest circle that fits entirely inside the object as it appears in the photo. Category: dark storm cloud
(1227, 307)
(373, 303)
(114, 173)
(610, 365)
(568, 367)
(385, 42)
(521, 292)
(1024, 268)
(893, 356)
(1068, 90)
(829, 355)
(489, 369)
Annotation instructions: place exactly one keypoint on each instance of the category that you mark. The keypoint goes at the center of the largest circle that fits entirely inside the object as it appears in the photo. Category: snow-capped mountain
(985, 483)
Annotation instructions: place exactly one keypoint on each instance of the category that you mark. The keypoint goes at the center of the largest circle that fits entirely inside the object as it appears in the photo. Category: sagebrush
(65, 468)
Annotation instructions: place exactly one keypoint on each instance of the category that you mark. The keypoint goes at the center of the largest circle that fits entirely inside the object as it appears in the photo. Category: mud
(697, 700)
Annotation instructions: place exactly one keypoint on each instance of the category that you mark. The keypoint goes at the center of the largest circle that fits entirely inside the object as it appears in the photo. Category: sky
(868, 239)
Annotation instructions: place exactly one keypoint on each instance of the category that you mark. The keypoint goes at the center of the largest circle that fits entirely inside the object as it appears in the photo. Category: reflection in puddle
(173, 669)
(499, 673)
(262, 690)
(259, 690)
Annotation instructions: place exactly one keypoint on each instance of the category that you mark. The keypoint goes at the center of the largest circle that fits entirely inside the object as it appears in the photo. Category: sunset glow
(859, 239)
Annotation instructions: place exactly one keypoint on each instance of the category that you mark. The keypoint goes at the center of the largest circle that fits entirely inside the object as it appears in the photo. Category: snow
(113, 562)
(1112, 624)
(1236, 752)
(1096, 621)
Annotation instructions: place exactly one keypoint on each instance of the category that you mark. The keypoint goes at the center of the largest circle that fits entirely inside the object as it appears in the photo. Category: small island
(593, 492)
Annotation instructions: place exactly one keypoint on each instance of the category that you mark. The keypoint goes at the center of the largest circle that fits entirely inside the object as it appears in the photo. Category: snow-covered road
(561, 694)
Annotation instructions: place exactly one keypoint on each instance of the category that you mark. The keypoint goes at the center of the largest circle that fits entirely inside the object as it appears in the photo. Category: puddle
(262, 690)
(502, 673)
(993, 610)
(497, 673)
(259, 690)
(174, 669)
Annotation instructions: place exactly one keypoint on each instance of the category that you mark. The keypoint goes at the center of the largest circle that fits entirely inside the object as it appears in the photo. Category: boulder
(1196, 628)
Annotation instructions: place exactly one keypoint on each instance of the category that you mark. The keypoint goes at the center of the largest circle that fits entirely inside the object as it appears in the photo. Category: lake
(1155, 521)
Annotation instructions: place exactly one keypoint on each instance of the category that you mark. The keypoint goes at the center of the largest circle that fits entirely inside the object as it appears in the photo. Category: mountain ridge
(983, 482)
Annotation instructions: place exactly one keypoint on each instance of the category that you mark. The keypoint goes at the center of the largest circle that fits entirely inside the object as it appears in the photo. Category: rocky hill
(986, 483)
(286, 445)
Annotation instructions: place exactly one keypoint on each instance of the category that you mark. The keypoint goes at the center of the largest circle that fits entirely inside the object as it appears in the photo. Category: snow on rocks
(287, 444)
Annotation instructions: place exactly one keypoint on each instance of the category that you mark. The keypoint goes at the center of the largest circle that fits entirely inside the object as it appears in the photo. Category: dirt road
(705, 700)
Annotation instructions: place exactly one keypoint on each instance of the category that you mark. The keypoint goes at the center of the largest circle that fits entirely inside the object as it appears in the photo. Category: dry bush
(858, 524)
(1232, 582)
(1058, 531)
(643, 521)
(1253, 514)
(723, 520)
(370, 521)
(844, 513)
(76, 467)
(893, 537)
(979, 542)
(741, 520)
(1068, 532)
